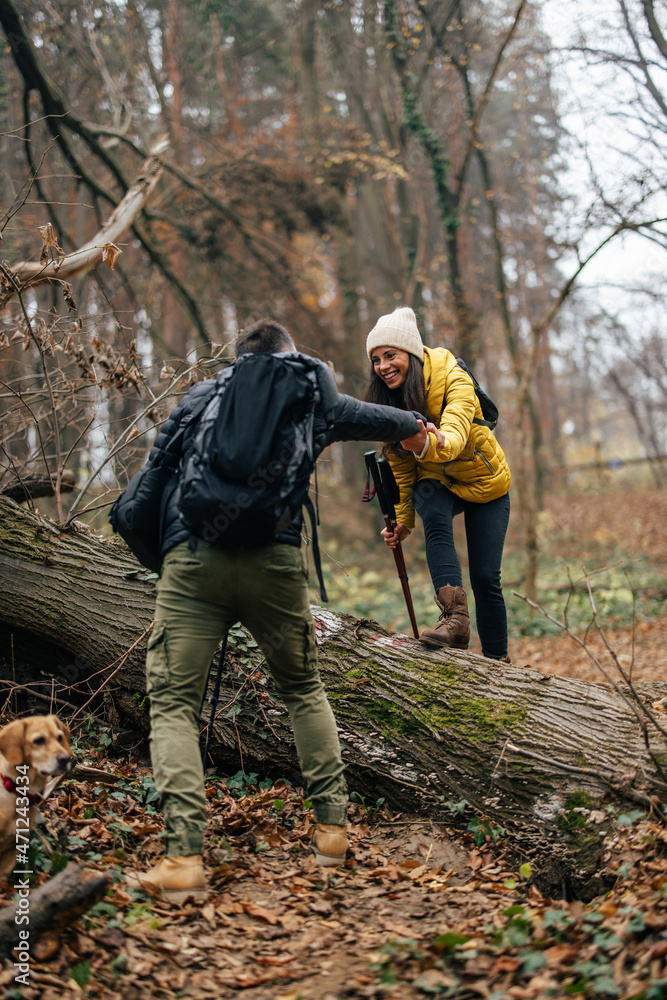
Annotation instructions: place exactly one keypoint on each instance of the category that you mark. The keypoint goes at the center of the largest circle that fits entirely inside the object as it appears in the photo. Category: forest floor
(419, 910)
(610, 535)
(641, 649)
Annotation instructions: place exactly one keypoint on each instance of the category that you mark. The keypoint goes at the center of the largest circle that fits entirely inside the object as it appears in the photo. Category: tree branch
(53, 101)
(484, 99)
(650, 84)
(654, 27)
(31, 273)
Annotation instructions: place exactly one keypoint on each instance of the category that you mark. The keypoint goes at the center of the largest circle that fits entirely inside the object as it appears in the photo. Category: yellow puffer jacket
(472, 464)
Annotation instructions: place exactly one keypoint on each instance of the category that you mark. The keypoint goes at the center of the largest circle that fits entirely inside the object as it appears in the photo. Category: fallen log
(423, 729)
(37, 485)
(51, 907)
(73, 601)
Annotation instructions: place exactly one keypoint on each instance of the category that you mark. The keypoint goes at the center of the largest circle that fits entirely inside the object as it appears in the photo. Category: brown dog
(31, 750)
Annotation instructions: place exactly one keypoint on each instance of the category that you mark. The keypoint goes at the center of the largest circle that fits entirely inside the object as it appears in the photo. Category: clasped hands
(417, 441)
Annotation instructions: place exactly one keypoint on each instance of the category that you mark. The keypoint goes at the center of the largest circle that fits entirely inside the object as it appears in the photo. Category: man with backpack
(245, 462)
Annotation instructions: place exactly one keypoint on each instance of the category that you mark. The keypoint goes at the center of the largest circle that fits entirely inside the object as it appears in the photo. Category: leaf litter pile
(417, 911)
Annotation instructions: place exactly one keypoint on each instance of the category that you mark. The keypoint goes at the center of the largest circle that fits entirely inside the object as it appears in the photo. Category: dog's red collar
(11, 786)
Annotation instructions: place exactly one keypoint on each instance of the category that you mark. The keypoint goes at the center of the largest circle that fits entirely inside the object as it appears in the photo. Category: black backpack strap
(489, 408)
(308, 504)
(323, 396)
(198, 410)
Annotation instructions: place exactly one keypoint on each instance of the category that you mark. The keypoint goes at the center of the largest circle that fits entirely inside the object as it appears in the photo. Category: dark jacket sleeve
(354, 420)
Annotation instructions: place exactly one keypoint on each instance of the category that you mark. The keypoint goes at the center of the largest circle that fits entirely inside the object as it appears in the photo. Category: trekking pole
(386, 489)
(213, 700)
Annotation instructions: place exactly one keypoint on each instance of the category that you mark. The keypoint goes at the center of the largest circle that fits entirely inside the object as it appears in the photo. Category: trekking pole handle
(384, 498)
(390, 487)
(387, 492)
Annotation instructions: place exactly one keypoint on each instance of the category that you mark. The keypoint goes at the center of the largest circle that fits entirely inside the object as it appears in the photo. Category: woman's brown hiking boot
(453, 628)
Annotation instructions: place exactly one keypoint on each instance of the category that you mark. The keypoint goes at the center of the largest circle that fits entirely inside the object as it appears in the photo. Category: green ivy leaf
(554, 917)
(627, 819)
(533, 961)
(450, 940)
(81, 974)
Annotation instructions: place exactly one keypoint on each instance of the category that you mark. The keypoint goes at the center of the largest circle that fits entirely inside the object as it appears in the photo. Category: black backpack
(247, 474)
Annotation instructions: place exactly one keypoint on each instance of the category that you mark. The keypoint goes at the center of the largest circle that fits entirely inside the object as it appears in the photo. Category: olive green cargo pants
(200, 595)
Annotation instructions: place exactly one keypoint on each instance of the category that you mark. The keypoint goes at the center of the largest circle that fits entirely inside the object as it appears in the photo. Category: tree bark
(420, 728)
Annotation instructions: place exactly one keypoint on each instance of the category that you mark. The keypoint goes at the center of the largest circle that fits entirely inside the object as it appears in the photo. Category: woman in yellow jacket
(462, 468)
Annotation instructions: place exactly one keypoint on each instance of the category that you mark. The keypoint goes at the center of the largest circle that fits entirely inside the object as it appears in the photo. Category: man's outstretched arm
(353, 420)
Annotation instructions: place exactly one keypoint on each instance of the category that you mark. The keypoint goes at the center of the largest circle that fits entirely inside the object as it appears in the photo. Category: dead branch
(81, 772)
(61, 901)
(28, 272)
(95, 775)
(36, 485)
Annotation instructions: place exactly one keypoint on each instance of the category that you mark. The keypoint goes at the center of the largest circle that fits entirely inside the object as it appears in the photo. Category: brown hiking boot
(329, 844)
(173, 880)
(453, 628)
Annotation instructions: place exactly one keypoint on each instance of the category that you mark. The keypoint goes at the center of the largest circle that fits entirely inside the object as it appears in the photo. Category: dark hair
(265, 336)
(409, 396)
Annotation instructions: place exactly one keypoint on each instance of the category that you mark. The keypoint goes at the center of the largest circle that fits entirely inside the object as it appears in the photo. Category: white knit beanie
(397, 329)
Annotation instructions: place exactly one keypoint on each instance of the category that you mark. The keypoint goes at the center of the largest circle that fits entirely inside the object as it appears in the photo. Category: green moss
(579, 800)
(479, 719)
(435, 705)
(141, 700)
(391, 719)
(366, 672)
(350, 676)
(570, 820)
(439, 684)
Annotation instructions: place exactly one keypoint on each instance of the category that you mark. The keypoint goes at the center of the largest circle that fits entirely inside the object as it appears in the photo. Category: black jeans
(486, 527)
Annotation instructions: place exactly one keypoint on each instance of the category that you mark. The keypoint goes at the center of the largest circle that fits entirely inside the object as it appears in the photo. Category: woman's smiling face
(391, 364)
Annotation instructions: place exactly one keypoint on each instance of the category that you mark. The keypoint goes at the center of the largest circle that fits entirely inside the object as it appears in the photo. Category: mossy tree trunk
(422, 729)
